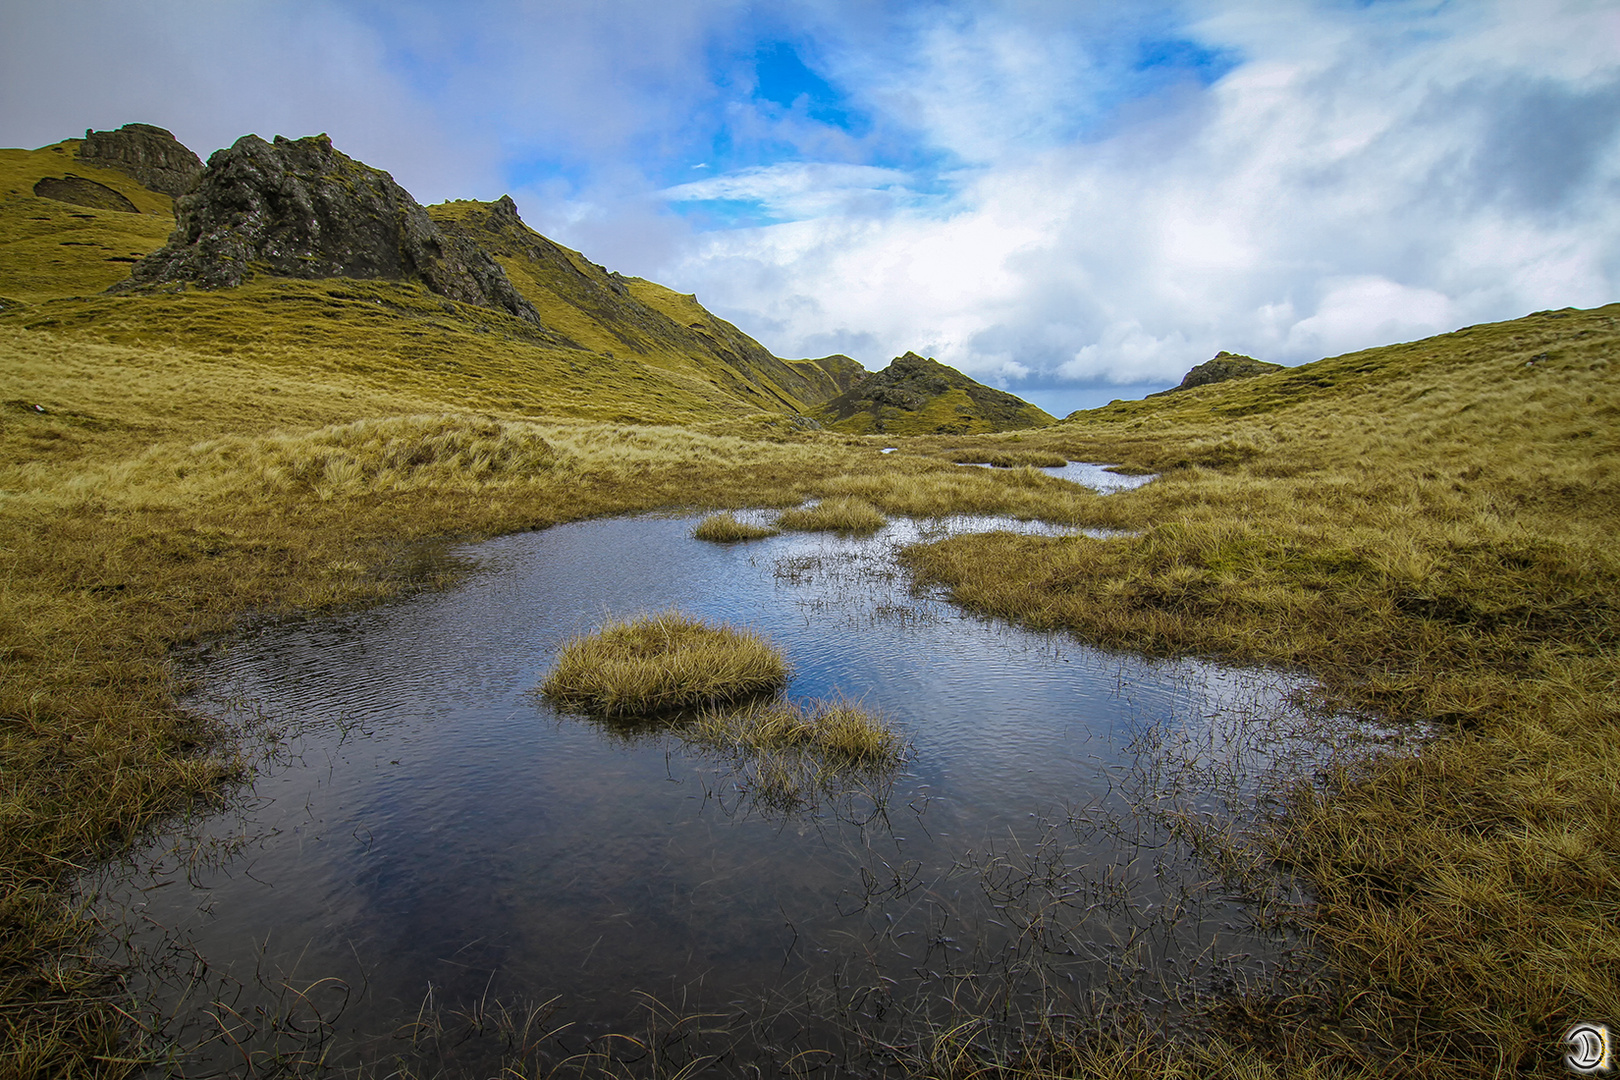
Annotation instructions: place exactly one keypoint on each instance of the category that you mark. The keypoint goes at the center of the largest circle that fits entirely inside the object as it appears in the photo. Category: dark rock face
(149, 154)
(1222, 367)
(301, 209)
(81, 192)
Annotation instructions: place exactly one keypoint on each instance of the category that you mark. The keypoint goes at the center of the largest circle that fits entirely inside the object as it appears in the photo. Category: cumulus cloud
(1357, 177)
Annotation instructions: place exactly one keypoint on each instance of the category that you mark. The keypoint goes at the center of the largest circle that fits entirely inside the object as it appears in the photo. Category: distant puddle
(1096, 477)
(426, 836)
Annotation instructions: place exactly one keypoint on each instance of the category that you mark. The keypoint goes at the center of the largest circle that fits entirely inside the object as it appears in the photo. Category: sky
(1074, 201)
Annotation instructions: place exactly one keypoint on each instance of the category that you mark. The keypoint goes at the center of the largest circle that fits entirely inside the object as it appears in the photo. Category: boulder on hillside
(1220, 368)
(148, 153)
(299, 208)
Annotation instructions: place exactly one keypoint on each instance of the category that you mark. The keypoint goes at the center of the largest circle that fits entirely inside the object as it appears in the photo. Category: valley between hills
(244, 393)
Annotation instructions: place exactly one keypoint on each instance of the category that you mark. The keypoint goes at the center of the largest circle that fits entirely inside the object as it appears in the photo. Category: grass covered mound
(724, 528)
(842, 514)
(660, 663)
(842, 732)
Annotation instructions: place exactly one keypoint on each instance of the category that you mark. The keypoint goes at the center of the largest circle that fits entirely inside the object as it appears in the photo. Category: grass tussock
(724, 528)
(842, 732)
(843, 514)
(1010, 459)
(661, 663)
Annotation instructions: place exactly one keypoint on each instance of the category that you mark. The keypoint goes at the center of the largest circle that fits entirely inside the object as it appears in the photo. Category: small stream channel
(424, 837)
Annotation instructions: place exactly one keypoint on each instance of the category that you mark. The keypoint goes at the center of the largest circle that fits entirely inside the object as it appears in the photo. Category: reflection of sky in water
(1095, 477)
(431, 822)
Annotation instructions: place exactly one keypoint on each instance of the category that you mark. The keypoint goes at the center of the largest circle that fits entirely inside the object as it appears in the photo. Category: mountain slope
(918, 396)
(616, 315)
(533, 326)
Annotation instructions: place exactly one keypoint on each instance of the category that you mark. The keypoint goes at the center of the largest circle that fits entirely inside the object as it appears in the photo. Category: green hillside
(608, 347)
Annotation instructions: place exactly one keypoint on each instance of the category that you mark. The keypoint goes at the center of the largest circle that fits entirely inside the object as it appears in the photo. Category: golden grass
(1010, 459)
(843, 514)
(662, 663)
(724, 528)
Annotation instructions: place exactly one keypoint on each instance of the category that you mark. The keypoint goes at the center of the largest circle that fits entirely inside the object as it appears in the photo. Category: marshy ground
(1427, 529)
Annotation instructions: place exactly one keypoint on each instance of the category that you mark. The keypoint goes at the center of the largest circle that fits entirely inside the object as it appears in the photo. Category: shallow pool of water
(1099, 478)
(423, 831)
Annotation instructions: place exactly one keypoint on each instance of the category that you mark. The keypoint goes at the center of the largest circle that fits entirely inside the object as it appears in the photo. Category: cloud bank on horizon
(1075, 201)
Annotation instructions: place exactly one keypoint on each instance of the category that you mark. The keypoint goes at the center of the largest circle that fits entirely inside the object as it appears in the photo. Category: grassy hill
(611, 348)
(1426, 528)
(919, 396)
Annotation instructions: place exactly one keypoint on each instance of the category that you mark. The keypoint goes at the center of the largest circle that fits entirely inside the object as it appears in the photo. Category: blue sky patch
(1183, 57)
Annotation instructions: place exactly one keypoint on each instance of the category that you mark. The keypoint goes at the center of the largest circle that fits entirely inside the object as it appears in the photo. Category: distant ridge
(1221, 367)
(916, 395)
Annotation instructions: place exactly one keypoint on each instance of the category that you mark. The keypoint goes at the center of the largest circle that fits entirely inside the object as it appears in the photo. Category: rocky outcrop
(150, 154)
(915, 395)
(300, 208)
(1220, 368)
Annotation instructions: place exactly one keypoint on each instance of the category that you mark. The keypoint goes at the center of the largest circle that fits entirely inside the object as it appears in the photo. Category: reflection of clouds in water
(435, 823)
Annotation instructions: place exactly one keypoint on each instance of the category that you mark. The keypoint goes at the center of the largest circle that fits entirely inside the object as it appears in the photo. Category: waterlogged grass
(839, 732)
(662, 663)
(842, 514)
(724, 528)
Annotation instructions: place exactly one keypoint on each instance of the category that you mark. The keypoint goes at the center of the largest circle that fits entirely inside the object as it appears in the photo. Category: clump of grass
(724, 528)
(661, 663)
(842, 732)
(1011, 459)
(843, 514)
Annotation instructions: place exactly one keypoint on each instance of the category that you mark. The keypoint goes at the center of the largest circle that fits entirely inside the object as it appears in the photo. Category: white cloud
(1326, 195)
(798, 189)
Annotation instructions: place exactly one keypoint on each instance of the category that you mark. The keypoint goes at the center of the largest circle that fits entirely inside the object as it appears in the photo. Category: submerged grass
(841, 732)
(724, 528)
(661, 663)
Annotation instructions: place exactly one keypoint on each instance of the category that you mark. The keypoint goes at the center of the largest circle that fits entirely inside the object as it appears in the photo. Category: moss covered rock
(915, 395)
(1220, 368)
(299, 208)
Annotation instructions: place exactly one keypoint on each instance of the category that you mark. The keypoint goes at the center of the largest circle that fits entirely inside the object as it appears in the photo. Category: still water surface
(421, 824)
